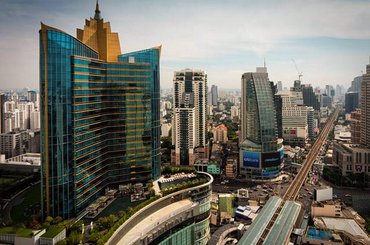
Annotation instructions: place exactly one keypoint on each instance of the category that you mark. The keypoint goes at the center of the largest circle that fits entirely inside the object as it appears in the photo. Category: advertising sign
(269, 173)
(271, 159)
(251, 159)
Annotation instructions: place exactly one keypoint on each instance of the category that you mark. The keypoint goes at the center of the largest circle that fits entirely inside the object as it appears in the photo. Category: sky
(329, 41)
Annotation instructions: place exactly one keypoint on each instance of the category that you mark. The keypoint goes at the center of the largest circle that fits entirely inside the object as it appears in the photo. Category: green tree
(74, 238)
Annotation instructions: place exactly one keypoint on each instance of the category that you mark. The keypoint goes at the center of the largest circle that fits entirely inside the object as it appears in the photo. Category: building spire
(97, 11)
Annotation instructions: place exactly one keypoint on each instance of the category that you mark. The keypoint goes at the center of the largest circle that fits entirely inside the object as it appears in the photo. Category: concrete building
(230, 168)
(351, 158)
(311, 123)
(235, 113)
(214, 93)
(25, 163)
(35, 120)
(220, 133)
(2, 113)
(189, 129)
(326, 209)
(11, 144)
(365, 108)
(261, 151)
(279, 86)
(355, 126)
(32, 96)
(294, 118)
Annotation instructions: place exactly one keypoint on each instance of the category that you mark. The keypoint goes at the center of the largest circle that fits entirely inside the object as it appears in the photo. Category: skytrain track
(295, 186)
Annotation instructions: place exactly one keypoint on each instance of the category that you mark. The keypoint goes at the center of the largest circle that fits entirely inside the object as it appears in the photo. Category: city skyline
(223, 38)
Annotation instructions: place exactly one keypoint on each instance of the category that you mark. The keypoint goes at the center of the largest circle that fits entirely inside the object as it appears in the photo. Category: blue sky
(329, 40)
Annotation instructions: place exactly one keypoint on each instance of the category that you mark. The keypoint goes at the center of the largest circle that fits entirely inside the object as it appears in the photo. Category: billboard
(272, 159)
(269, 173)
(251, 159)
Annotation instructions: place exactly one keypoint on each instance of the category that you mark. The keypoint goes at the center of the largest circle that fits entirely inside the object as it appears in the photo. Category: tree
(74, 238)
(57, 220)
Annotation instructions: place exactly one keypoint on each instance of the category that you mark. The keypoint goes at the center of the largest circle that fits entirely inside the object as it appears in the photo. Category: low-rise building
(182, 215)
(326, 209)
(220, 134)
(351, 158)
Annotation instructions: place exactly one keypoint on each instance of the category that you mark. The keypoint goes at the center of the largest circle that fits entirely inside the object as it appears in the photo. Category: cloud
(221, 37)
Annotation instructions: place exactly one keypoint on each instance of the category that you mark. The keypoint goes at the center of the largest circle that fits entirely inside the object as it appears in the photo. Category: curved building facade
(182, 217)
(99, 116)
(261, 151)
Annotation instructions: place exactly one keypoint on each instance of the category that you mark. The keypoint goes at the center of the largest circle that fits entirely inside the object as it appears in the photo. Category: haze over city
(225, 38)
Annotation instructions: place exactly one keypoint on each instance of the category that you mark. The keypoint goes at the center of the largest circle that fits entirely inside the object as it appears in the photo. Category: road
(294, 188)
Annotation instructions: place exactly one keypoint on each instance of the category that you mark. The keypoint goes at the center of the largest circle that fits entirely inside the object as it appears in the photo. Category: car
(304, 195)
(306, 216)
(309, 193)
(348, 195)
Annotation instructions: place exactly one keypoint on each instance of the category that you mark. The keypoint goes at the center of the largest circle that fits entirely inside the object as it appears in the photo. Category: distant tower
(214, 93)
(2, 113)
(365, 108)
(190, 114)
(279, 86)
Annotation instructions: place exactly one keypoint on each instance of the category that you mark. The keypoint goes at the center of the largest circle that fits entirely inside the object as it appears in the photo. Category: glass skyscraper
(99, 116)
(261, 151)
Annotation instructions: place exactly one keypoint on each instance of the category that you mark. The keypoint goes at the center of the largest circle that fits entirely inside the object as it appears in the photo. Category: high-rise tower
(365, 108)
(189, 129)
(100, 122)
(261, 151)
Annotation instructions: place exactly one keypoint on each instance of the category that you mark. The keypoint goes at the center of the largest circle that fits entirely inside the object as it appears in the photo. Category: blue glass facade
(100, 121)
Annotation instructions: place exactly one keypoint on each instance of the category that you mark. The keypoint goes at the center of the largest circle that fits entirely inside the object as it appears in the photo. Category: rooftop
(348, 225)
(151, 221)
(283, 226)
(20, 232)
(255, 231)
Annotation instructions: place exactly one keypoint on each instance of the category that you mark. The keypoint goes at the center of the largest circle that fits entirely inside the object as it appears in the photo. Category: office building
(310, 98)
(294, 118)
(329, 91)
(9, 106)
(214, 93)
(351, 158)
(279, 114)
(35, 120)
(2, 113)
(235, 113)
(100, 118)
(355, 126)
(32, 96)
(351, 101)
(12, 144)
(279, 86)
(326, 100)
(365, 108)
(311, 123)
(189, 129)
(356, 85)
(261, 151)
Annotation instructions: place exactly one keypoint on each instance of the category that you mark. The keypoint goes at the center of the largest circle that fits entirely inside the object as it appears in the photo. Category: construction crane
(300, 74)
